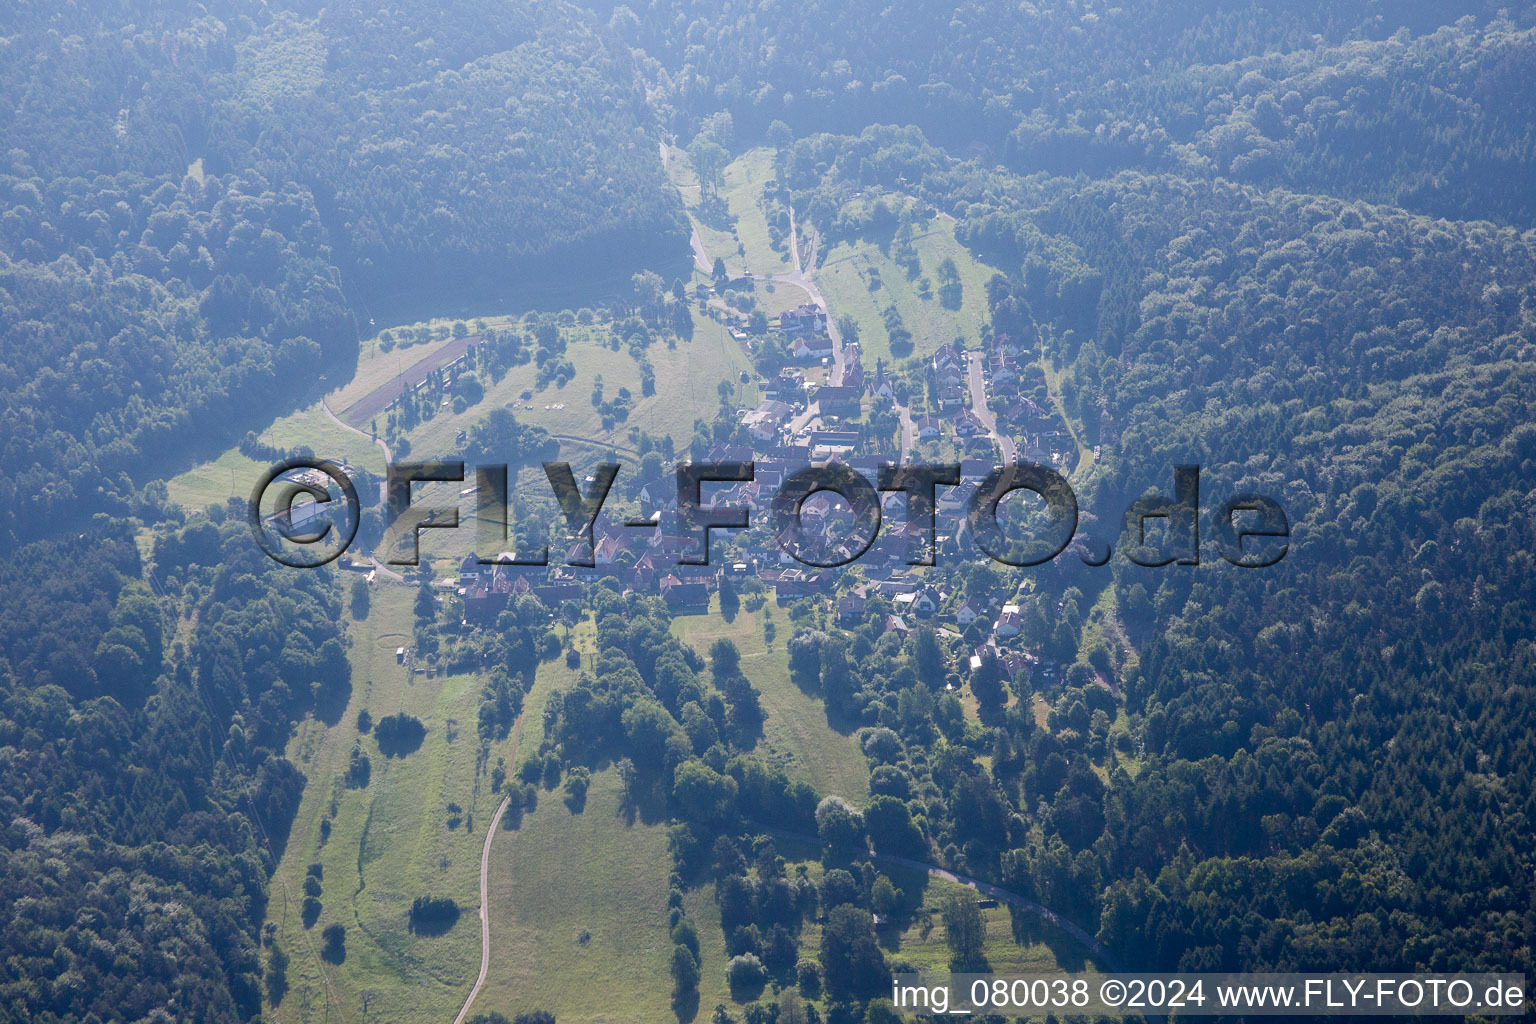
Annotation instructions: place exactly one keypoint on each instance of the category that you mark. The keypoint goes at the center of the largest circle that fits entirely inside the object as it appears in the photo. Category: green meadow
(796, 729)
(860, 279)
(388, 843)
(579, 913)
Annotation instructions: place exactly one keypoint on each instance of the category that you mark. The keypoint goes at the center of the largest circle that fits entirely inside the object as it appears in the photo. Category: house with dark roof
(808, 318)
(684, 596)
(850, 609)
(839, 399)
(806, 350)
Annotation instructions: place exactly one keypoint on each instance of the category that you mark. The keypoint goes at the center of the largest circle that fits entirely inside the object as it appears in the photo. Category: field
(1083, 468)
(744, 181)
(686, 381)
(313, 428)
(796, 729)
(232, 474)
(579, 913)
(389, 842)
(578, 900)
(740, 237)
(848, 269)
(214, 482)
(556, 876)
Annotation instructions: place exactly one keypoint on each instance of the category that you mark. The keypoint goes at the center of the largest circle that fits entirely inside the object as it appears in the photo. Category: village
(975, 397)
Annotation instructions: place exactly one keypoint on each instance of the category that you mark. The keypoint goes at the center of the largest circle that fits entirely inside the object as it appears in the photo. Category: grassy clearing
(742, 239)
(717, 241)
(744, 181)
(312, 427)
(796, 728)
(847, 271)
(686, 379)
(233, 475)
(921, 944)
(1085, 457)
(700, 906)
(212, 483)
(389, 842)
(1104, 628)
(579, 914)
(782, 296)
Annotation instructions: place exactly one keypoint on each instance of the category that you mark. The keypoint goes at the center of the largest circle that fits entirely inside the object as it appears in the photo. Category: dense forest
(200, 208)
(1362, 710)
(143, 717)
(1402, 102)
(1290, 241)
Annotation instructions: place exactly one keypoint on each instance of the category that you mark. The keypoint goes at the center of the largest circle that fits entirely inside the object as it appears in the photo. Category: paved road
(700, 257)
(983, 412)
(801, 278)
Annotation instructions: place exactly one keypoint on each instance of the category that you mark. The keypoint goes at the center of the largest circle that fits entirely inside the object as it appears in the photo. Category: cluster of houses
(646, 558)
(805, 319)
(646, 561)
(1039, 431)
(950, 373)
(806, 328)
(787, 393)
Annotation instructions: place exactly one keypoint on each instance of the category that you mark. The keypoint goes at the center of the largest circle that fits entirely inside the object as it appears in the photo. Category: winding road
(485, 895)
(800, 277)
(485, 915)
